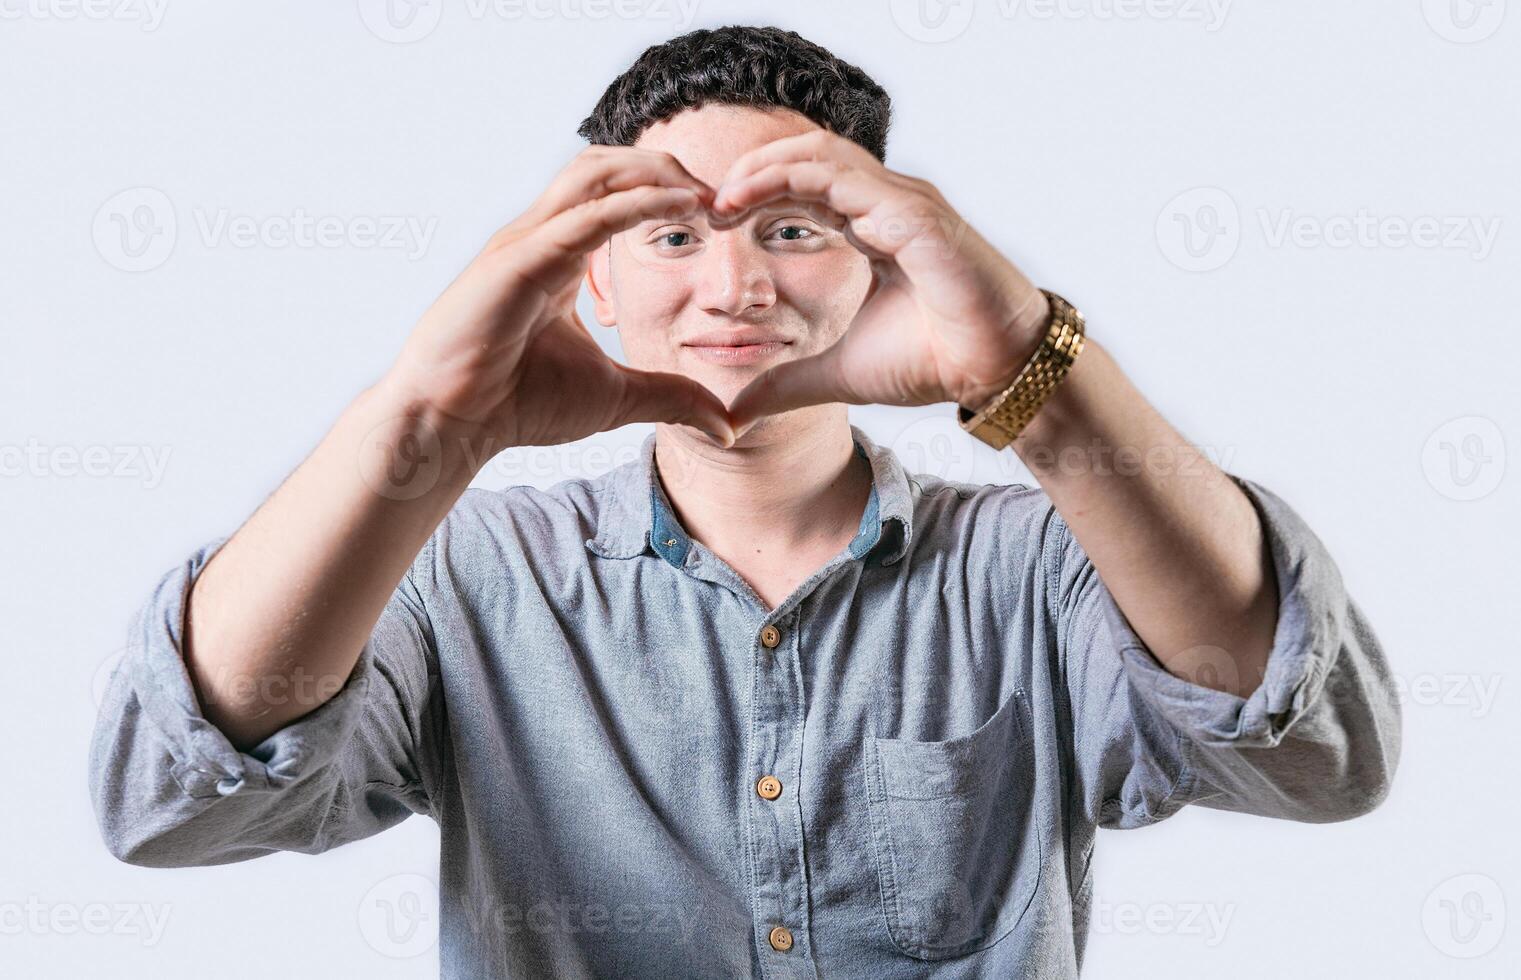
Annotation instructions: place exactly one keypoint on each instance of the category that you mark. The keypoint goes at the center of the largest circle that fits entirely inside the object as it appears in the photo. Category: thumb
(661, 396)
(812, 380)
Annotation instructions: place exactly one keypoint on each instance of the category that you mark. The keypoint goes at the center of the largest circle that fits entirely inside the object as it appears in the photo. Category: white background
(1139, 157)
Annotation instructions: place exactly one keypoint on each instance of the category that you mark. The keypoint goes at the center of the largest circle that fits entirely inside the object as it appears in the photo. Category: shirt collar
(636, 517)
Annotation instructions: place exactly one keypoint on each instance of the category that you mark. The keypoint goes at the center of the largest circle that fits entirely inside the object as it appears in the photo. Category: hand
(947, 318)
(502, 353)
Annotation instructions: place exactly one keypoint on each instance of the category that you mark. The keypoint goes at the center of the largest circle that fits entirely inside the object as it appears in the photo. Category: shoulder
(966, 509)
(1003, 532)
(521, 522)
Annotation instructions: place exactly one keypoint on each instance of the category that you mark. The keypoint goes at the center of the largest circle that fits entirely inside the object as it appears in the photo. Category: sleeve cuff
(205, 762)
(1310, 610)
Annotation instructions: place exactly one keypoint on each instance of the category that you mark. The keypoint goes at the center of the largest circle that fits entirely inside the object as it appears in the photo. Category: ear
(599, 282)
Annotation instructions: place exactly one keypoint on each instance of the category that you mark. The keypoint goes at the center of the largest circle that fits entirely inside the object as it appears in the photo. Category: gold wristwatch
(1006, 414)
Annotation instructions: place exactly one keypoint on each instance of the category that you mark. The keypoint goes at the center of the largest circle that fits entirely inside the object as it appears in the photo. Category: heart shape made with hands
(947, 317)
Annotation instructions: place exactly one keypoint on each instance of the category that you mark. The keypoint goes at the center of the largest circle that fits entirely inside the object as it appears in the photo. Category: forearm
(1179, 546)
(277, 619)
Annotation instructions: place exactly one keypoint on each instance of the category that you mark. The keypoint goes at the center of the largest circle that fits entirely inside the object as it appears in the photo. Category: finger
(601, 170)
(595, 173)
(814, 380)
(661, 396)
(883, 215)
(818, 144)
(554, 254)
(847, 190)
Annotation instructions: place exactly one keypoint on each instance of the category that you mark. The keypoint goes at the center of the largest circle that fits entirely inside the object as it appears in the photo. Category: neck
(792, 487)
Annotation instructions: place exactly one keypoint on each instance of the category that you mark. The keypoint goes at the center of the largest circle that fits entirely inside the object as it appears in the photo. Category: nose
(734, 275)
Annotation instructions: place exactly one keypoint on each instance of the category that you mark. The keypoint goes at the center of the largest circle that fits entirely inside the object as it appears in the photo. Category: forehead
(709, 139)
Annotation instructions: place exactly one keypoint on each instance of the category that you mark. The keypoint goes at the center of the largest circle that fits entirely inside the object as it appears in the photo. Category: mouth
(736, 348)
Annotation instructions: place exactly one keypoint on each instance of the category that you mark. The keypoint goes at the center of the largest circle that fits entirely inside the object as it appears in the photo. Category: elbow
(133, 815)
(125, 841)
(128, 850)
(145, 847)
(1331, 802)
(127, 838)
(1358, 799)
(1374, 788)
(1362, 785)
(1375, 754)
(1362, 706)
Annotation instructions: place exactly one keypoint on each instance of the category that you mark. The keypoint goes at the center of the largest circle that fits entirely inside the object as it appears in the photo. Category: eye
(798, 237)
(794, 233)
(673, 242)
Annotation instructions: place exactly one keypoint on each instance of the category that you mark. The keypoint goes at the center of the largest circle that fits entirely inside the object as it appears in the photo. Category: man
(759, 703)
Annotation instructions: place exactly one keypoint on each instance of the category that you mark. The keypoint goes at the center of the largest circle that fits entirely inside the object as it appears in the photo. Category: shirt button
(771, 636)
(781, 938)
(768, 787)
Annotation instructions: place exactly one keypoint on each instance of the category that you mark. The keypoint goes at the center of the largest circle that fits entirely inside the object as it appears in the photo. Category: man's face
(679, 290)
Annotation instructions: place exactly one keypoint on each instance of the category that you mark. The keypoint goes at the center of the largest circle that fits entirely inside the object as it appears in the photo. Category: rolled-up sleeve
(169, 789)
(1317, 741)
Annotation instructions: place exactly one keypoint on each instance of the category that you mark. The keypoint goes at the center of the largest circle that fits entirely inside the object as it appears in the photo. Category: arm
(1317, 740)
(1178, 544)
(279, 687)
(1248, 676)
(276, 621)
(171, 790)
(948, 318)
(1209, 641)
(293, 595)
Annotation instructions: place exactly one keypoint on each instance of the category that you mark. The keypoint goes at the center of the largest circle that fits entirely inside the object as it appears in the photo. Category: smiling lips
(735, 347)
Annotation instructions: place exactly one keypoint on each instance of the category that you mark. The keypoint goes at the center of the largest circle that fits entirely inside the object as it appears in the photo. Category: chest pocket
(954, 835)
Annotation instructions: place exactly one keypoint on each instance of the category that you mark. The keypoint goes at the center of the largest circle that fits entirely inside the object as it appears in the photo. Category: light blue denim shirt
(585, 699)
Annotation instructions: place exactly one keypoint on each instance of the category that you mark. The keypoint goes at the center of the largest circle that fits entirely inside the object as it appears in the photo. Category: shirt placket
(778, 876)
(773, 816)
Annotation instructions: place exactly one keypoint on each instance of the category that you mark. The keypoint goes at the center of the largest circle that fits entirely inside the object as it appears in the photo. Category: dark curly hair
(763, 67)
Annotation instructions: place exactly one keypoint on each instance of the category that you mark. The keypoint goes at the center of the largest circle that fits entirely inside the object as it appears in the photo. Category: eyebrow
(813, 210)
(792, 206)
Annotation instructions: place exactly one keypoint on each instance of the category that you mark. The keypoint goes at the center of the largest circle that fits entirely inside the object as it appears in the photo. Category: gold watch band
(1005, 415)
